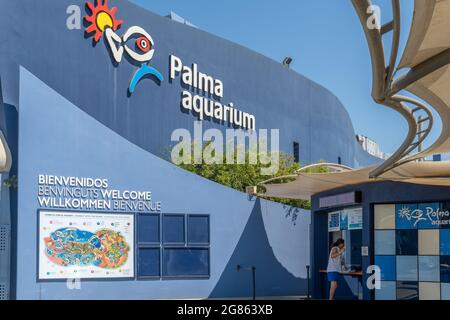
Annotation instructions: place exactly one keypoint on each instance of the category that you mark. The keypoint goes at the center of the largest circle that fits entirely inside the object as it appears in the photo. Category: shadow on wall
(292, 213)
(253, 249)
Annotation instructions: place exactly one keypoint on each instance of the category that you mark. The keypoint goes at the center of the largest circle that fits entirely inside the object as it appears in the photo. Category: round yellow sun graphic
(101, 18)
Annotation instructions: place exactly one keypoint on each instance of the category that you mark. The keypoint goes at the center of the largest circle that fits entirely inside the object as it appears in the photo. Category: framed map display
(85, 245)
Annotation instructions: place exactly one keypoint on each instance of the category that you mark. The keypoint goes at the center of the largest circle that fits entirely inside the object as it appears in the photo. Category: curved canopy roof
(5, 154)
(427, 36)
(307, 184)
(427, 54)
(428, 44)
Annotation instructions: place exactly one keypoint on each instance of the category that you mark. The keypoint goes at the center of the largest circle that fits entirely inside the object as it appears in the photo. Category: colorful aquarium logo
(105, 248)
(103, 21)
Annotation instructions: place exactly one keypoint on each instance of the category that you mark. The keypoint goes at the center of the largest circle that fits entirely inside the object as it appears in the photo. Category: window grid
(438, 229)
(162, 245)
(182, 277)
(197, 244)
(142, 245)
(173, 243)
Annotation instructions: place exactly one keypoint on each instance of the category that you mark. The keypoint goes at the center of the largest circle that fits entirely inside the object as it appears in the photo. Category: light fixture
(287, 61)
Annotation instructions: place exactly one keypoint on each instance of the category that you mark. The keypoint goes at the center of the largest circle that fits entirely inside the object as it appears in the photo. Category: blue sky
(325, 39)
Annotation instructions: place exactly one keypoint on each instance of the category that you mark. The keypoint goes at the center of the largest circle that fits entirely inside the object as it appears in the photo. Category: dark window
(173, 229)
(148, 229)
(339, 160)
(445, 269)
(355, 247)
(407, 290)
(149, 262)
(149, 246)
(296, 152)
(406, 242)
(198, 230)
(186, 262)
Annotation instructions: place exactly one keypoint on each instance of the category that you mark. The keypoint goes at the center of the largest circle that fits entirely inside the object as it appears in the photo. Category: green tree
(240, 176)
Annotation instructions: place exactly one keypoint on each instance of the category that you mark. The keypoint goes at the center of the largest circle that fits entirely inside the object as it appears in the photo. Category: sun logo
(104, 23)
(101, 18)
(405, 212)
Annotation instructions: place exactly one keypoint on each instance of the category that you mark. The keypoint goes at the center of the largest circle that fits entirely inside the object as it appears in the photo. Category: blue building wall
(68, 62)
(75, 118)
(244, 230)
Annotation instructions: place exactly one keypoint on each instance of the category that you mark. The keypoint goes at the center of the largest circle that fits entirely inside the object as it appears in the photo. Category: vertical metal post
(308, 295)
(254, 282)
(419, 129)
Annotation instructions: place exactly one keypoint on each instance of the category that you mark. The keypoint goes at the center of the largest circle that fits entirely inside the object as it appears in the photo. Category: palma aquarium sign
(202, 105)
(430, 215)
(204, 98)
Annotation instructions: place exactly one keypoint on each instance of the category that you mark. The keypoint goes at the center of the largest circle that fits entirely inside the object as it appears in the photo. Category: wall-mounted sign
(426, 215)
(207, 104)
(206, 91)
(334, 221)
(89, 194)
(355, 218)
(340, 200)
(103, 21)
(346, 219)
(79, 245)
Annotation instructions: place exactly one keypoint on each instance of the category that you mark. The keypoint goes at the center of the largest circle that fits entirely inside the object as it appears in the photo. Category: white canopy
(5, 154)
(427, 53)
(429, 38)
(307, 184)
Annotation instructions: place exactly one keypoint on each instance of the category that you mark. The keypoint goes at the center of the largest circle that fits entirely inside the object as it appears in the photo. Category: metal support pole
(308, 295)
(254, 282)
(419, 128)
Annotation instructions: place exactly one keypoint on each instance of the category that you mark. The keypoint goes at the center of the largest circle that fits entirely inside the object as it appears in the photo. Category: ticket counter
(402, 228)
(345, 223)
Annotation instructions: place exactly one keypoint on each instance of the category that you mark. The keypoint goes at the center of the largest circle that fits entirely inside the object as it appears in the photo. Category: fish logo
(103, 22)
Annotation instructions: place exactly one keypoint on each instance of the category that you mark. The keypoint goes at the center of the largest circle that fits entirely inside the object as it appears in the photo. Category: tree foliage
(240, 176)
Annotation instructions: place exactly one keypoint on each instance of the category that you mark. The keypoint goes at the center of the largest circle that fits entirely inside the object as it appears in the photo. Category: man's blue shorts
(333, 276)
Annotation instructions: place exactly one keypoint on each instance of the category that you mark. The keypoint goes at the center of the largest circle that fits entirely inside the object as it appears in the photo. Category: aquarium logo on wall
(203, 99)
(422, 215)
(102, 21)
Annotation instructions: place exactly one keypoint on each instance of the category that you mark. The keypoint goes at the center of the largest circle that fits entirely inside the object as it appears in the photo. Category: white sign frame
(52, 220)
